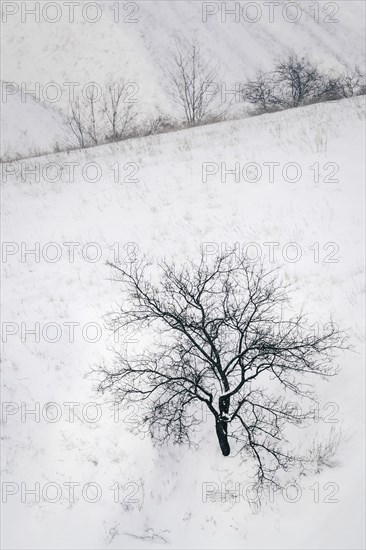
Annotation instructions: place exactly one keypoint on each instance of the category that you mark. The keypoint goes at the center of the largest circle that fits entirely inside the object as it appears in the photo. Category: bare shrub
(158, 124)
(323, 454)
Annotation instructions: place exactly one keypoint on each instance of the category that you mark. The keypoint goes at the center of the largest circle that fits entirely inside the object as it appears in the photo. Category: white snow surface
(29, 128)
(165, 209)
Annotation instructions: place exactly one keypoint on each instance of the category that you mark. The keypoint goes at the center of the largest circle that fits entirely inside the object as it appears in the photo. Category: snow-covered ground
(166, 195)
(48, 51)
(30, 128)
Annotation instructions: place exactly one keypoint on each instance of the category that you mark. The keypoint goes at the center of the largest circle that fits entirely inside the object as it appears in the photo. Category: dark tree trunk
(221, 431)
(221, 426)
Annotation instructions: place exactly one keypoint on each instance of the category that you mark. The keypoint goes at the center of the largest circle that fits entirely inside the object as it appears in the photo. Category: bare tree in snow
(76, 121)
(119, 110)
(221, 340)
(83, 117)
(98, 116)
(298, 78)
(261, 92)
(194, 81)
(293, 82)
(353, 82)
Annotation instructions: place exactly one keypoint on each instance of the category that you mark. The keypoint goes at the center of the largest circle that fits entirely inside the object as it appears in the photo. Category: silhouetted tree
(222, 340)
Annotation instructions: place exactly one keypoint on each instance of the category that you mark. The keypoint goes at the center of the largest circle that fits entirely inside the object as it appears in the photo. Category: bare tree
(353, 82)
(95, 118)
(261, 92)
(76, 122)
(91, 109)
(293, 82)
(298, 80)
(194, 81)
(330, 88)
(222, 341)
(119, 110)
(82, 118)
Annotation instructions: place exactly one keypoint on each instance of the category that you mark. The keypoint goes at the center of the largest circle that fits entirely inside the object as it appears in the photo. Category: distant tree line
(193, 77)
(297, 81)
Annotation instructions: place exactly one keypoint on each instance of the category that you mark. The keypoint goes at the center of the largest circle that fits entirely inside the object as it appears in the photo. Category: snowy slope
(29, 128)
(135, 44)
(160, 204)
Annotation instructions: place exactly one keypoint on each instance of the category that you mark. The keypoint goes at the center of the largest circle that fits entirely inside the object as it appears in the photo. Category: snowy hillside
(299, 184)
(30, 128)
(133, 42)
